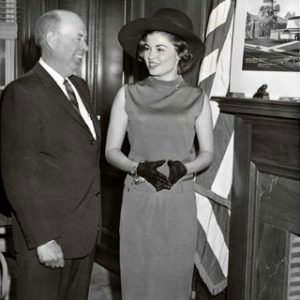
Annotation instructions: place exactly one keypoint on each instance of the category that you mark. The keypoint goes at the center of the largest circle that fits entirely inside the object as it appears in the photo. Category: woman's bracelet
(136, 178)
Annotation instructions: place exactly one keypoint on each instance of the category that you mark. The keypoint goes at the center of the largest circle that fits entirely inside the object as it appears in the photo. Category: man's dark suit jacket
(50, 164)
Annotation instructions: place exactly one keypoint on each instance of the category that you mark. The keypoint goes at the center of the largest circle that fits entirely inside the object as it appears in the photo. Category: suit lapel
(85, 97)
(58, 95)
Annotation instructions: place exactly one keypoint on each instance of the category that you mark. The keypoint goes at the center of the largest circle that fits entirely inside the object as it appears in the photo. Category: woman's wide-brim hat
(167, 20)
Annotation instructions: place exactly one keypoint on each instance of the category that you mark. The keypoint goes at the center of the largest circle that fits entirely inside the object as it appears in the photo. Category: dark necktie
(71, 94)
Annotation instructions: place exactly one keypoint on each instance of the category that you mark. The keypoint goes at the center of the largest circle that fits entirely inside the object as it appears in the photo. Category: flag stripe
(221, 79)
(209, 260)
(212, 196)
(209, 65)
(222, 215)
(214, 287)
(216, 38)
(215, 112)
(223, 180)
(218, 16)
(212, 189)
(215, 41)
(207, 84)
(222, 134)
(213, 231)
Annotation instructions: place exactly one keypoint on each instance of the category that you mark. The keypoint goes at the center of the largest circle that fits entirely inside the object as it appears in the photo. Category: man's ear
(51, 39)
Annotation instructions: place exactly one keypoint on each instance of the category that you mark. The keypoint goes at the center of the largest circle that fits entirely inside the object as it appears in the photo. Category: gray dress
(158, 230)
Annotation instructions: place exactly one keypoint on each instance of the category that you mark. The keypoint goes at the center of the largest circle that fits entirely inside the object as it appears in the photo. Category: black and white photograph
(272, 36)
(266, 48)
(149, 150)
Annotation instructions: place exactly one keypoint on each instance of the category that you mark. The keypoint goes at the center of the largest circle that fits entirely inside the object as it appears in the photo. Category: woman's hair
(181, 46)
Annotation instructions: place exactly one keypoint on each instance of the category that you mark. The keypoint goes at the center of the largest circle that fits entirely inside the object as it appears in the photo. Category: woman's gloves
(148, 170)
(177, 171)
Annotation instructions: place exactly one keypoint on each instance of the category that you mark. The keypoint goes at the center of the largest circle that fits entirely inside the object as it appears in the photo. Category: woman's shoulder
(194, 98)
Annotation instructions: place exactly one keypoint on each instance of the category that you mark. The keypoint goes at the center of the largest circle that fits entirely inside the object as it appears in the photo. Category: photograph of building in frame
(272, 36)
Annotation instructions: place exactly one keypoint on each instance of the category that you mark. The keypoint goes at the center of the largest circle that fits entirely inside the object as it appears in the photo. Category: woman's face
(160, 56)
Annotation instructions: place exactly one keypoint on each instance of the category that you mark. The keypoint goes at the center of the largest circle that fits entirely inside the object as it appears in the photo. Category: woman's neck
(168, 77)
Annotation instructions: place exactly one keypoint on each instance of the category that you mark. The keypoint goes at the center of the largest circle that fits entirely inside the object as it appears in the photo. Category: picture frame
(265, 52)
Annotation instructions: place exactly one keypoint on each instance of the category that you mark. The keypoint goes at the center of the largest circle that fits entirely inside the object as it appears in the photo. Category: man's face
(71, 44)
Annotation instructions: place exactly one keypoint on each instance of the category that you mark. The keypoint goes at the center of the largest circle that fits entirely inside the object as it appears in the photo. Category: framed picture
(266, 48)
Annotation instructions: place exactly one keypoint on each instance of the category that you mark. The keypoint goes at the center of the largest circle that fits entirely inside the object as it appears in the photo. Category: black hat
(167, 20)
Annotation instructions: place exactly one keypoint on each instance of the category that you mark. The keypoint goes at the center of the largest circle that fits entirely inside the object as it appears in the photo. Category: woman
(161, 114)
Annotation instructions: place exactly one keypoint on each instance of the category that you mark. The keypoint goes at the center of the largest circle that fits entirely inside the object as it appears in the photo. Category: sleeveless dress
(158, 230)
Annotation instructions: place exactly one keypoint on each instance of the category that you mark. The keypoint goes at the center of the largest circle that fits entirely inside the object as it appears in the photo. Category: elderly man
(50, 146)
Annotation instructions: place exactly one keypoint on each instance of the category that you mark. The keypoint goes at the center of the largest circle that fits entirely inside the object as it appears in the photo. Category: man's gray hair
(49, 21)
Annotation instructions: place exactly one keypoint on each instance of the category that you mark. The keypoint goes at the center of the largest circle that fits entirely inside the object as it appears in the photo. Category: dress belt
(183, 185)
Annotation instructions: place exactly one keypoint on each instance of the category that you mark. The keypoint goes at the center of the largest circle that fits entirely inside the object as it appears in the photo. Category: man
(50, 145)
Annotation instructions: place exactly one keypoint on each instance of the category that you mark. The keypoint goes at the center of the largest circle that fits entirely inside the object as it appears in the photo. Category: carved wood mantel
(265, 217)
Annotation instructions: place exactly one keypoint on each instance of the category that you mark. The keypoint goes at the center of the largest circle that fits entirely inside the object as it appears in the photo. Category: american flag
(214, 185)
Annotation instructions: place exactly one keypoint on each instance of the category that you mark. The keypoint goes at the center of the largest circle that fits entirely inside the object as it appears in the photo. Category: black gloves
(177, 170)
(148, 171)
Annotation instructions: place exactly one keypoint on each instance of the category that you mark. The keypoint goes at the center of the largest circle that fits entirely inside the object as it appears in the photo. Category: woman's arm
(204, 132)
(116, 134)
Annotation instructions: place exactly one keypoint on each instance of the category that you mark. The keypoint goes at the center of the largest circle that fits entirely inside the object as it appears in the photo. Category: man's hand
(51, 255)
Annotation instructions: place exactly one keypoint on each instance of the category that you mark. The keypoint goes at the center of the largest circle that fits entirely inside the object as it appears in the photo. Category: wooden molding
(249, 106)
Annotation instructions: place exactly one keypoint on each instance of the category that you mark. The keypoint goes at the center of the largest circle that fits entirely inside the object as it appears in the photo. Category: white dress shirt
(60, 82)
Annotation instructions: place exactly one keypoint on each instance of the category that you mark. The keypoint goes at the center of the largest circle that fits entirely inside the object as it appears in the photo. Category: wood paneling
(27, 51)
(269, 264)
(281, 156)
(104, 73)
(279, 202)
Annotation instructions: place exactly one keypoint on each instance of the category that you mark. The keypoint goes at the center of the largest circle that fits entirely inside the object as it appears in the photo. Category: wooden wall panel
(270, 264)
(51, 4)
(27, 52)
(104, 74)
